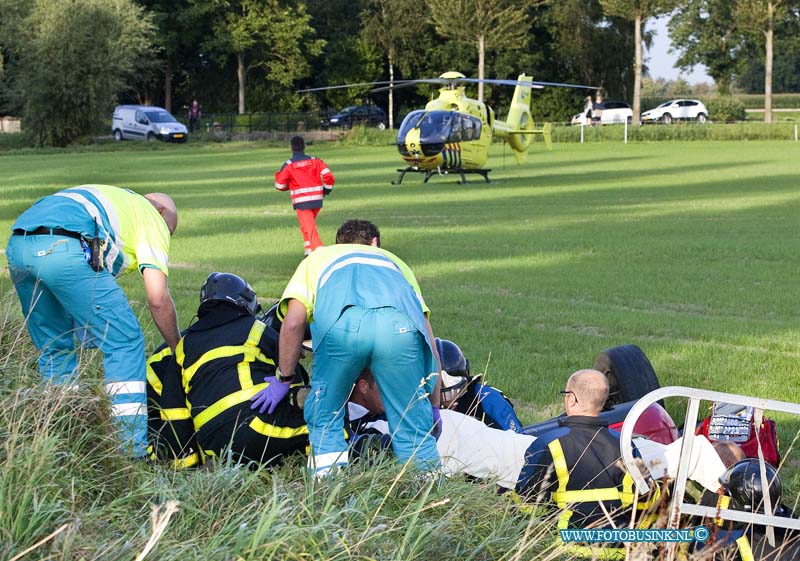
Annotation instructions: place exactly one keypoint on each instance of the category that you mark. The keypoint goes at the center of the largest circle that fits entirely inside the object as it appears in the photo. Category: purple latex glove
(437, 422)
(269, 398)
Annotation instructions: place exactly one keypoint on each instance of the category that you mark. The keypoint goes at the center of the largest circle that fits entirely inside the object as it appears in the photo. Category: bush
(91, 49)
(725, 109)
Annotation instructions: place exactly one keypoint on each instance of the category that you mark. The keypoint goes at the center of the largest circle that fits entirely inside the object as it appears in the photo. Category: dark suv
(366, 115)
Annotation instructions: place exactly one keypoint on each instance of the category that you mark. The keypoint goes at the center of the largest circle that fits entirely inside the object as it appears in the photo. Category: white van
(144, 122)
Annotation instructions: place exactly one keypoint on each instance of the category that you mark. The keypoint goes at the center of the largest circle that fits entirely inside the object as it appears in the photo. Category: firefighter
(220, 363)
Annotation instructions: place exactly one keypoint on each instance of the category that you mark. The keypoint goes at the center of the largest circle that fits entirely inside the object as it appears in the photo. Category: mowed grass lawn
(689, 250)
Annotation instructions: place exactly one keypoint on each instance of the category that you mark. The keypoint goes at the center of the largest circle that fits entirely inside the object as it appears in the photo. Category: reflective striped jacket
(308, 179)
(220, 363)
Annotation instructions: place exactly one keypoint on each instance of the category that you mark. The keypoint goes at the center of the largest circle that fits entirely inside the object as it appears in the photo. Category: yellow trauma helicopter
(453, 133)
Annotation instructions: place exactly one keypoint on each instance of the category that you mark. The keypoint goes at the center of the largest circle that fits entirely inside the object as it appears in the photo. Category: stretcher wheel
(630, 374)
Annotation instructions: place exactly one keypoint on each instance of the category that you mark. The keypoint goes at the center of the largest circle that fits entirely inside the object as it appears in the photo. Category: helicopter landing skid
(431, 172)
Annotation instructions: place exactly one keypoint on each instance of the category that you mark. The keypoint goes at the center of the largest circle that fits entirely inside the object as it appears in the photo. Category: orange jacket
(308, 179)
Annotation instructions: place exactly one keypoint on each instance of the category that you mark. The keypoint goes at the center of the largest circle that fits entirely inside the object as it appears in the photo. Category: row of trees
(63, 63)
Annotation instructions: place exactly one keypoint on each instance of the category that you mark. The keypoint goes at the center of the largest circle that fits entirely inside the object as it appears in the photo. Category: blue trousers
(387, 341)
(61, 295)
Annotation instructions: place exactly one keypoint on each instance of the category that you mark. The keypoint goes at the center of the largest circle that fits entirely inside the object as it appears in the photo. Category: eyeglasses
(565, 392)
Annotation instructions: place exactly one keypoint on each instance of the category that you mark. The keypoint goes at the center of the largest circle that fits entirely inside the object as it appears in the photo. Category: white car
(610, 112)
(677, 109)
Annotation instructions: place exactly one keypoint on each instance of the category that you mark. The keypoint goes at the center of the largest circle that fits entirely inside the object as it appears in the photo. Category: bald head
(590, 388)
(166, 208)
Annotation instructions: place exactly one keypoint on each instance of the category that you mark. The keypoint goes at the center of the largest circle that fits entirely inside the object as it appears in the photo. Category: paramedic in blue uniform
(64, 291)
(365, 309)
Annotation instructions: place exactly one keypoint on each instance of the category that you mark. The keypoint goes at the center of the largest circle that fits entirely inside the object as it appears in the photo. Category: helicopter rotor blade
(409, 83)
(350, 86)
(535, 85)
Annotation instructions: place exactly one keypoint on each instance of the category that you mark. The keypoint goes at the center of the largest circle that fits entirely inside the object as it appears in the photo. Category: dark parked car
(366, 115)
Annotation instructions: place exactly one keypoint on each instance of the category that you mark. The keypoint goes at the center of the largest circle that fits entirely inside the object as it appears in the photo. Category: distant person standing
(194, 116)
(308, 179)
(597, 108)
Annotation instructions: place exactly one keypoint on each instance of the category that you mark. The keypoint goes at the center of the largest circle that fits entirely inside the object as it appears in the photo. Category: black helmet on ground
(227, 287)
(455, 371)
(742, 481)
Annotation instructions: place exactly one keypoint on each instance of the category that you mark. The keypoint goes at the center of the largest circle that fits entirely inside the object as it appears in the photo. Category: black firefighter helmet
(455, 370)
(742, 481)
(227, 287)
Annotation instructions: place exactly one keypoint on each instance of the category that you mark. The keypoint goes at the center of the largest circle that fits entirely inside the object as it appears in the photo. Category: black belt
(45, 231)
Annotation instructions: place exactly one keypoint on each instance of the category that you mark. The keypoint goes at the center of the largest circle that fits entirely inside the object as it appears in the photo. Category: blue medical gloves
(437, 422)
(269, 398)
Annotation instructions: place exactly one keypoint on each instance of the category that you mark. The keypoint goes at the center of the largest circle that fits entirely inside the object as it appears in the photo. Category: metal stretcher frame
(695, 396)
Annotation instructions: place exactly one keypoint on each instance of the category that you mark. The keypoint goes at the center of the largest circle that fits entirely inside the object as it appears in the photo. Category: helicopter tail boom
(518, 129)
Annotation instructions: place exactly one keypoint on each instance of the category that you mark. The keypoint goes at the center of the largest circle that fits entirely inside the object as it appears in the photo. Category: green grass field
(687, 249)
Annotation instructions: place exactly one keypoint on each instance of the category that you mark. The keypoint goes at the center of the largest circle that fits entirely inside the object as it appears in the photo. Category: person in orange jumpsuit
(308, 180)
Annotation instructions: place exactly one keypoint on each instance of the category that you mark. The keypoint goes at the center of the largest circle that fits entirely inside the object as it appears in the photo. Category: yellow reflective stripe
(745, 551)
(175, 414)
(225, 403)
(560, 465)
(220, 352)
(245, 377)
(180, 356)
(723, 501)
(562, 498)
(152, 378)
(563, 519)
(273, 431)
(187, 462)
(251, 353)
(605, 553)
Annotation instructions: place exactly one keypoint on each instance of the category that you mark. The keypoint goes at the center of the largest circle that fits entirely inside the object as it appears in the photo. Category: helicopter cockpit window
(470, 127)
(437, 127)
(409, 123)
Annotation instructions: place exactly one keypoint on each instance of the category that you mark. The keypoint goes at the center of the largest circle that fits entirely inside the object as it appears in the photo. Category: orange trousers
(308, 226)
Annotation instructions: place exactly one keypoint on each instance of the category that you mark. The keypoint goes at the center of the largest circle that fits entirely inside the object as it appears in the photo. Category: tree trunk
(241, 73)
(481, 59)
(391, 88)
(768, 63)
(637, 70)
(168, 85)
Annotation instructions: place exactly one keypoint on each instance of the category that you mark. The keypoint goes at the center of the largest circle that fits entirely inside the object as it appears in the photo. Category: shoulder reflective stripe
(273, 431)
(127, 409)
(245, 375)
(251, 353)
(745, 551)
(219, 352)
(562, 498)
(225, 403)
(372, 261)
(175, 414)
(627, 497)
(152, 377)
(114, 236)
(119, 388)
(187, 462)
(723, 501)
(560, 465)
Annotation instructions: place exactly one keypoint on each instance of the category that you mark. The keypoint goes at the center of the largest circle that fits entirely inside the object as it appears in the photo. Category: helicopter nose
(410, 146)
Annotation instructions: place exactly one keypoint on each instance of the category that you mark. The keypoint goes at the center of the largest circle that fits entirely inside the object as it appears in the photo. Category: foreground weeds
(67, 493)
